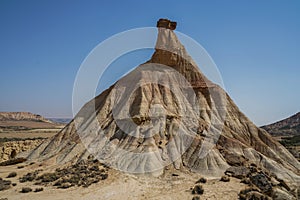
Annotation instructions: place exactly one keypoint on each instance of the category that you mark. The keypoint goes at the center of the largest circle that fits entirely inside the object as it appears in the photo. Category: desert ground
(14, 139)
(26, 135)
(120, 185)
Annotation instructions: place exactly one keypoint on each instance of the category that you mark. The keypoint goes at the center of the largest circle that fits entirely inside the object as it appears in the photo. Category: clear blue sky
(255, 44)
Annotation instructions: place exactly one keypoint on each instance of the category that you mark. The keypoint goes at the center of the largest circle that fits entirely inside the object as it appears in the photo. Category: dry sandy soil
(117, 186)
(40, 133)
(22, 140)
(124, 186)
(28, 124)
(28, 129)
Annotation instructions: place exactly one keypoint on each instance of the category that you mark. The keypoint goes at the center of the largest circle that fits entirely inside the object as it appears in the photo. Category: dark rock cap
(165, 23)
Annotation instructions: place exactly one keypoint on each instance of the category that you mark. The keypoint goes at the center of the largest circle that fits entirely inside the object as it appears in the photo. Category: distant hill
(20, 116)
(60, 120)
(24, 121)
(286, 127)
(287, 132)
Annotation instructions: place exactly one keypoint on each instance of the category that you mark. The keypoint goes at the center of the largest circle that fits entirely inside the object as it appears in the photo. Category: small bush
(196, 198)
(225, 179)
(202, 180)
(49, 177)
(65, 185)
(11, 175)
(26, 190)
(39, 189)
(198, 189)
(83, 173)
(13, 161)
(28, 177)
(4, 184)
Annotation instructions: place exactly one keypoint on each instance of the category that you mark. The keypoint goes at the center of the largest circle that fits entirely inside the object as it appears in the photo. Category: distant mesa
(18, 116)
(286, 127)
(25, 121)
(287, 132)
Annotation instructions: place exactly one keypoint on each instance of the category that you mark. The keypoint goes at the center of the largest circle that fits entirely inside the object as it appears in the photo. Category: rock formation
(167, 114)
(285, 127)
(9, 150)
(18, 116)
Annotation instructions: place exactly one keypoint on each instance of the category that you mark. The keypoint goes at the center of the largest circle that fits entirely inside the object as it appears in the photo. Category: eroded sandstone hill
(286, 127)
(18, 116)
(167, 114)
